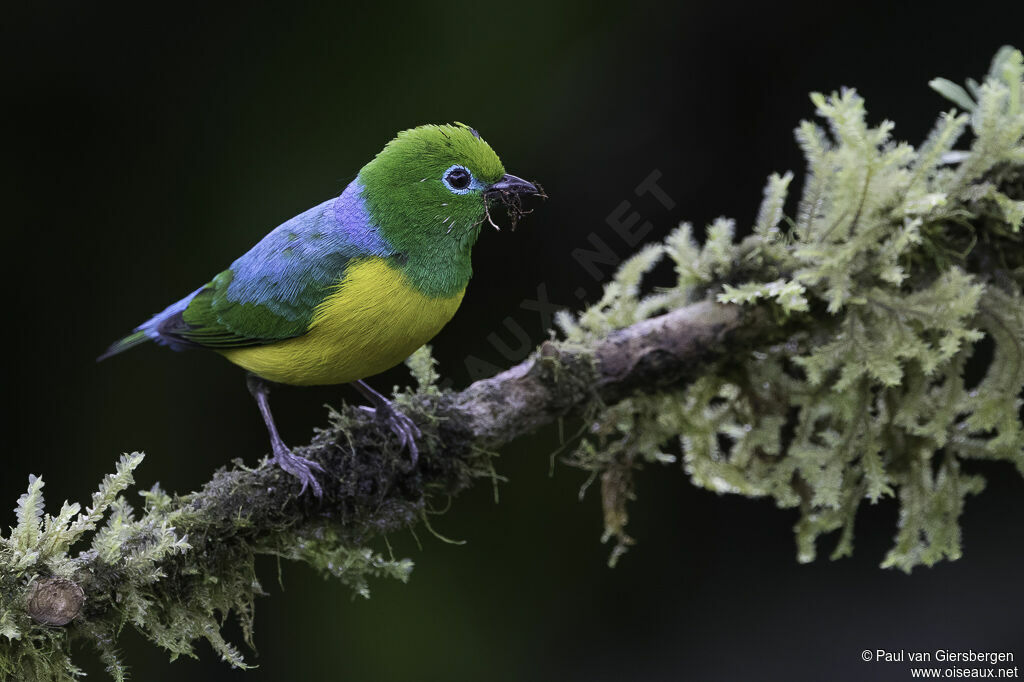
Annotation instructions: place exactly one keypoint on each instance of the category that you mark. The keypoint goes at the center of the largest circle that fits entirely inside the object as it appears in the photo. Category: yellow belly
(371, 322)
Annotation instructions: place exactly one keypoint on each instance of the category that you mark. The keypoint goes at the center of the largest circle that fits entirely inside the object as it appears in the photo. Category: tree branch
(647, 356)
(369, 486)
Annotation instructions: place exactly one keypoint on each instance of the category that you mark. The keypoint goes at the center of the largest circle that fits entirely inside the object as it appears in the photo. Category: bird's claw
(400, 424)
(299, 467)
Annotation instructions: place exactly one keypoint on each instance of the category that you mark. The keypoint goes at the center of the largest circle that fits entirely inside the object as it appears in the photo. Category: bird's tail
(124, 344)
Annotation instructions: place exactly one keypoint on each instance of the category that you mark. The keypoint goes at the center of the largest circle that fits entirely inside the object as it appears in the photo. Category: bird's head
(430, 188)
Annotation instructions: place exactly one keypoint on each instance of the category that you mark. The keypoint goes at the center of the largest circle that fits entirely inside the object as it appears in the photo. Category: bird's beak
(510, 184)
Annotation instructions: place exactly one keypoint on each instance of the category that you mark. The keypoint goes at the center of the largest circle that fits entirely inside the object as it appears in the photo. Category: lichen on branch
(894, 268)
(868, 344)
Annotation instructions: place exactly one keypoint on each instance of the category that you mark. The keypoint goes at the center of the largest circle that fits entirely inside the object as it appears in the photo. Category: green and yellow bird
(353, 286)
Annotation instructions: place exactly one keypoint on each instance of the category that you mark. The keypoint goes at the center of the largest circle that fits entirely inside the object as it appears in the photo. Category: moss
(181, 565)
(897, 266)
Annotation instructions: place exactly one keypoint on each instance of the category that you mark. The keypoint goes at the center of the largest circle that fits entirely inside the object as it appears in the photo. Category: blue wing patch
(271, 292)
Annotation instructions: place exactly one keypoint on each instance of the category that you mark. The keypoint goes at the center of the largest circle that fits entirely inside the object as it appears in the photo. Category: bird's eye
(457, 179)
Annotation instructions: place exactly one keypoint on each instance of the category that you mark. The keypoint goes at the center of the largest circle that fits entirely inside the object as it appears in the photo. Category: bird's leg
(402, 426)
(300, 467)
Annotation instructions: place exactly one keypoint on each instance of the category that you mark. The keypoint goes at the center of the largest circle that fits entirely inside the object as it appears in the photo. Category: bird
(352, 286)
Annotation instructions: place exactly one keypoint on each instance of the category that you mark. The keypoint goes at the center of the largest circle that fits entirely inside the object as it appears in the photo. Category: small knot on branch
(55, 601)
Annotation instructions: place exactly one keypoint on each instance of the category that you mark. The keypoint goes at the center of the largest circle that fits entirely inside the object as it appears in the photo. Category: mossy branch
(566, 378)
(869, 346)
(177, 568)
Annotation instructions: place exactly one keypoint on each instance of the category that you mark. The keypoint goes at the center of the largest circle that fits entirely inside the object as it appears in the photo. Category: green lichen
(177, 569)
(896, 265)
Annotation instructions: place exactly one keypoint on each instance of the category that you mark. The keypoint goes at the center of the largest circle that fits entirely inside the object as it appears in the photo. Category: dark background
(150, 148)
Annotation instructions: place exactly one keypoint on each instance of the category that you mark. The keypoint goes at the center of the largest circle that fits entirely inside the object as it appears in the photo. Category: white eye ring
(458, 190)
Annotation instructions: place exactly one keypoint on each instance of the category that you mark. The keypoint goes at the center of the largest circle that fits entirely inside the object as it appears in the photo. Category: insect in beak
(510, 184)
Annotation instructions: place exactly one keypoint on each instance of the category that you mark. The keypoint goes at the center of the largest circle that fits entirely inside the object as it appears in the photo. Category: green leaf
(953, 92)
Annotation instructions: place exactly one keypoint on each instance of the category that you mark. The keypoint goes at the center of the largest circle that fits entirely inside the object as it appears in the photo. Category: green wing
(212, 319)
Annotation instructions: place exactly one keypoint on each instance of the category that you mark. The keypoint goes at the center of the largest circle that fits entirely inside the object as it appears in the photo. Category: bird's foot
(299, 467)
(400, 424)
